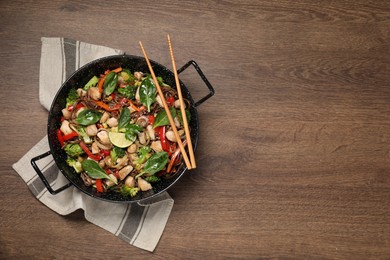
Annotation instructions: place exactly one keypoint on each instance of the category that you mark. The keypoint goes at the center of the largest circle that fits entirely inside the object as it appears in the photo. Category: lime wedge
(119, 139)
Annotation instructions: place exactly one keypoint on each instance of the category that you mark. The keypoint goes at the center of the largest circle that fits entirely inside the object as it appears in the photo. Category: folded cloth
(138, 224)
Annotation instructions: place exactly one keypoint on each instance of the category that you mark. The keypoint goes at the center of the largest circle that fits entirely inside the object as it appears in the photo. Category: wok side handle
(43, 178)
(203, 77)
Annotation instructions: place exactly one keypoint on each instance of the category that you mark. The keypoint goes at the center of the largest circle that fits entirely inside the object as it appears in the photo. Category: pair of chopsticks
(192, 164)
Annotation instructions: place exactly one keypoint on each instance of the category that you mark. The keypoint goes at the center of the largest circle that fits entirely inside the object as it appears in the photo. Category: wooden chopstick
(182, 107)
(180, 143)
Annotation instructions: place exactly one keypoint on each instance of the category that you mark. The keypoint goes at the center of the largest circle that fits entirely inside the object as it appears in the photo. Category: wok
(80, 78)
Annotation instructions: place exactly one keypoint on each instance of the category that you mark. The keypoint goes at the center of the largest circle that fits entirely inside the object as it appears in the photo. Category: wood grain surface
(294, 151)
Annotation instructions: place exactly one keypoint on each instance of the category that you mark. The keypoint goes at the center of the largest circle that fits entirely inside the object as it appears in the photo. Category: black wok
(80, 78)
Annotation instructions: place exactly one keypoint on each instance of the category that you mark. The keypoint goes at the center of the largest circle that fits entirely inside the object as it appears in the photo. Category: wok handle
(43, 178)
(203, 77)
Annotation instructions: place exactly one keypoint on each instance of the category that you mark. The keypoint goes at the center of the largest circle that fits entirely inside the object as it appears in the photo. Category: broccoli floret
(127, 75)
(75, 164)
(92, 82)
(72, 97)
(144, 153)
(129, 191)
(128, 91)
(86, 138)
(152, 179)
(161, 82)
(73, 150)
(116, 153)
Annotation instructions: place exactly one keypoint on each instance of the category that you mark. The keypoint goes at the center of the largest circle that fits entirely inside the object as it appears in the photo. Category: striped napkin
(138, 224)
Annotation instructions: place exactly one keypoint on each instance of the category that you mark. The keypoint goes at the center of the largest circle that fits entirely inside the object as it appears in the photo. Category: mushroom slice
(66, 113)
(130, 182)
(177, 121)
(159, 101)
(142, 138)
(177, 104)
(103, 136)
(156, 146)
(144, 185)
(104, 117)
(112, 122)
(113, 180)
(151, 132)
(65, 128)
(124, 172)
(95, 148)
(142, 121)
(91, 130)
(120, 162)
(138, 75)
(132, 148)
(81, 92)
(94, 93)
(171, 135)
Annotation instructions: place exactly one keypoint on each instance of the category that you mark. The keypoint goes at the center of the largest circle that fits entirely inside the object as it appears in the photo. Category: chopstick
(180, 143)
(182, 107)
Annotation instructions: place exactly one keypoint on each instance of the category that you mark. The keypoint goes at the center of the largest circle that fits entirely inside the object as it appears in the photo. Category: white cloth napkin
(136, 224)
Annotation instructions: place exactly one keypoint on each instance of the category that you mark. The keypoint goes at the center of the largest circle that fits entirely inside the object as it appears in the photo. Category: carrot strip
(103, 78)
(119, 69)
(100, 84)
(107, 107)
(134, 106)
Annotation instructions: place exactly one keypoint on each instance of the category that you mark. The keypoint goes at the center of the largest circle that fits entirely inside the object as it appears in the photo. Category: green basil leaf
(93, 169)
(110, 83)
(132, 128)
(124, 118)
(130, 136)
(116, 153)
(131, 131)
(88, 117)
(162, 117)
(156, 163)
(147, 92)
(188, 115)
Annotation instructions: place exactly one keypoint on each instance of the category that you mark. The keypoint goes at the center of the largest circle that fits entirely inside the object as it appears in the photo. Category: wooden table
(294, 150)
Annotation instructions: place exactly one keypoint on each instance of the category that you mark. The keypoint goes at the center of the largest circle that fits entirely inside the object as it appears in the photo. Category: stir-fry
(116, 133)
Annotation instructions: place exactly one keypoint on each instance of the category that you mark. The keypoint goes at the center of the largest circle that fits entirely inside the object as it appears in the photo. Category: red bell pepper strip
(78, 106)
(63, 138)
(99, 185)
(69, 136)
(164, 141)
(174, 158)
(171, 101)
(151, 119)
(105, 153)
(60, 138)
(96, 157)
(123, 101)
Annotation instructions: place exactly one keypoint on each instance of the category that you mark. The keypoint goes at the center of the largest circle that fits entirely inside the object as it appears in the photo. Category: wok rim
(59, 159)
